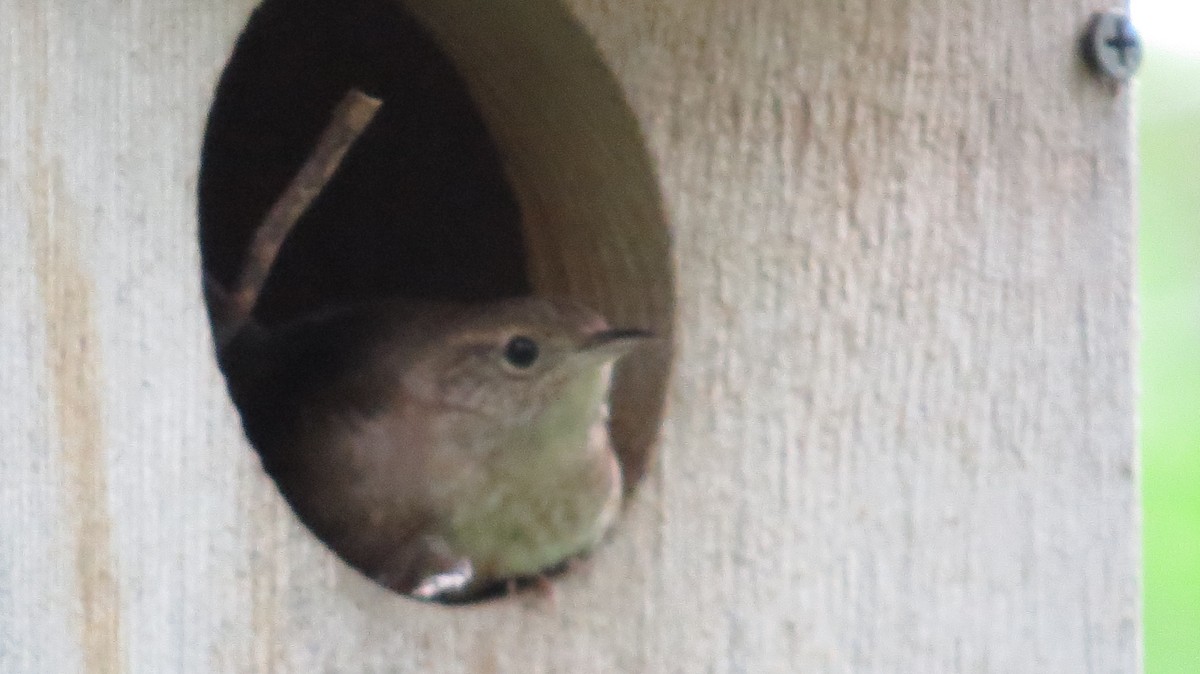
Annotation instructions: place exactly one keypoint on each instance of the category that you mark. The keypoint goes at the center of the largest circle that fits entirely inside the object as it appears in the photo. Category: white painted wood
(900, 430)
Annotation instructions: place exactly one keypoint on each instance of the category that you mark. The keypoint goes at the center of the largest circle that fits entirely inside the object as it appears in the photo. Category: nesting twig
(349, 120)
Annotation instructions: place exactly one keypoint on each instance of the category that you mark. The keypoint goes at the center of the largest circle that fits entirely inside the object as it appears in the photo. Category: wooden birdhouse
(888, 246)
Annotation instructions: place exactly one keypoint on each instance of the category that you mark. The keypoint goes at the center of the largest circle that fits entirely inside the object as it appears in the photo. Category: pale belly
(526, 525)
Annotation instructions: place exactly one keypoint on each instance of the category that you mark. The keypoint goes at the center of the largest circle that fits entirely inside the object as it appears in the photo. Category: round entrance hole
(504, 162)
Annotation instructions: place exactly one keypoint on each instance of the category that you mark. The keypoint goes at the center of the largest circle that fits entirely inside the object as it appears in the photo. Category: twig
(350, 119)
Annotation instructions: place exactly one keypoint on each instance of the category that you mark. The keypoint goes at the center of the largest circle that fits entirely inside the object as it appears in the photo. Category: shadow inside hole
(420, 208)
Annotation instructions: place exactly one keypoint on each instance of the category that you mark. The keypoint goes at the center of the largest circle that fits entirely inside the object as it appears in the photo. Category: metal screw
(1111, 45)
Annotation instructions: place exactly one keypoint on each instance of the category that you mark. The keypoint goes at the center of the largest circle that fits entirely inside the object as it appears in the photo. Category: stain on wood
(73, 364)
(74, 377)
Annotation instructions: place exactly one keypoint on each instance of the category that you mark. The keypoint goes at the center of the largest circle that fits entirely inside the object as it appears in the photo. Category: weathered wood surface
(899, 435)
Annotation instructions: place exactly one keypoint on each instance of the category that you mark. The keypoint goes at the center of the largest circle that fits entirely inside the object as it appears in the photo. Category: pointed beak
(613, 344)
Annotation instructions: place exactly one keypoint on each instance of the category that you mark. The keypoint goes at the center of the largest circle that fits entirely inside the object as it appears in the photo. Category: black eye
(521, 352)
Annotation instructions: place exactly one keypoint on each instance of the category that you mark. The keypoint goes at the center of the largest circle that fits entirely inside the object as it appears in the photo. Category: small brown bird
(441, 449)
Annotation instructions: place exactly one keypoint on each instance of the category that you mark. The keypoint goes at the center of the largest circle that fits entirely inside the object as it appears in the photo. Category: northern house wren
(440, 448)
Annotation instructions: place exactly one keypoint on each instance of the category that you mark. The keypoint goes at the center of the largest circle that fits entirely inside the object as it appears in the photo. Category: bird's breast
(520, 518)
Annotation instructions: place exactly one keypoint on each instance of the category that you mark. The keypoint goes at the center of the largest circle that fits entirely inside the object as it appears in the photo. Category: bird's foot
(539, 589)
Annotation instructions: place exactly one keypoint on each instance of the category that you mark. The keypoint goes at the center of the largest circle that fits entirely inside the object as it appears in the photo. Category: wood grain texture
(900, 429)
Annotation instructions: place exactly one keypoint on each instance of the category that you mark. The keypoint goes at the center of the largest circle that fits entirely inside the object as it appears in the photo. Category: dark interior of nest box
(420, 208)
(504, 161)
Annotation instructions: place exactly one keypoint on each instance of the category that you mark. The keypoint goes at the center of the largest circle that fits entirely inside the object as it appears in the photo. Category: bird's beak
(613, 344)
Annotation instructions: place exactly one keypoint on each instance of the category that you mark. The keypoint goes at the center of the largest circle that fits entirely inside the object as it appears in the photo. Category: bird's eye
(521, 352)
